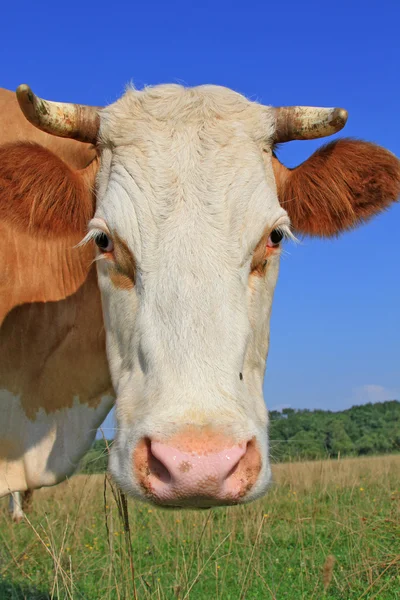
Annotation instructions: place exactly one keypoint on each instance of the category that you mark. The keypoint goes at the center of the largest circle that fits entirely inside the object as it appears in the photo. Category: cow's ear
(40, 194)
(342, 185)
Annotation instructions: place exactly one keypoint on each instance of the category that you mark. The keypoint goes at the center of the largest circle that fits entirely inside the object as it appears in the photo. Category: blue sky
(335, 324)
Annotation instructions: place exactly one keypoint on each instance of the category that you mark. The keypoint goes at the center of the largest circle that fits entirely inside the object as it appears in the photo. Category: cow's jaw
(184, 193)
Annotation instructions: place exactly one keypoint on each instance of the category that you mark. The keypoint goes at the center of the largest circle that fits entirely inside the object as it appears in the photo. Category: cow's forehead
(162, 109)
(185, 165)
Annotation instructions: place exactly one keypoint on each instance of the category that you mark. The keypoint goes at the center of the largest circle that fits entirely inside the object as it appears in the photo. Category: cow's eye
(103, 242)
(275, 238)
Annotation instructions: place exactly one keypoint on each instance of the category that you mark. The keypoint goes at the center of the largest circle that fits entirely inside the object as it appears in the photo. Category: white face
(187, 198)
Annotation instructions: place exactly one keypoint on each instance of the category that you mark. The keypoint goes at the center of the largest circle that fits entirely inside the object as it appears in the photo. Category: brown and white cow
(55, 388)
(191, 209)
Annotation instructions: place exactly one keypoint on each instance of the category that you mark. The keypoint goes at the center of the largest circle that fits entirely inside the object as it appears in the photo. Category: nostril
(233, 470)
(156, 467)
(240, 461)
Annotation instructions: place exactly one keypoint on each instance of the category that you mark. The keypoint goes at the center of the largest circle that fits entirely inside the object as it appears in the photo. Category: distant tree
(337, 439)
(365, 445)
(366, 429)
(304, 445)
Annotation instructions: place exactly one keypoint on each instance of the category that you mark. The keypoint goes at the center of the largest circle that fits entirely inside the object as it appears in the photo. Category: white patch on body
(45, 451)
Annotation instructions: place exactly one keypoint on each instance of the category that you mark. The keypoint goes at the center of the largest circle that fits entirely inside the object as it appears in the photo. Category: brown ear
(342, 185)
(39, 193)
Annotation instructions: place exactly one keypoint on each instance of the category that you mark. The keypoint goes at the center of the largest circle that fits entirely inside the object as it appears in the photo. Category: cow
(191, 210)
(55, 387)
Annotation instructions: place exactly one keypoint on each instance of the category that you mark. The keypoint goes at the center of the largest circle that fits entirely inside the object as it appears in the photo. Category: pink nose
(182, 476)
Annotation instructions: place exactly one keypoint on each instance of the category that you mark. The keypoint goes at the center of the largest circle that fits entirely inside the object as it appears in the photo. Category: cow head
(192, 210)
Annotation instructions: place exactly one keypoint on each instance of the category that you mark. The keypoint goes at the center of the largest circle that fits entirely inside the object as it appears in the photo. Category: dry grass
(327, 529)
(346, 473)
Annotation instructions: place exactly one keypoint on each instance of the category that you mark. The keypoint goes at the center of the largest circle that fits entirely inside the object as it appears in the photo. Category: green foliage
(96, 460)
(360, 430)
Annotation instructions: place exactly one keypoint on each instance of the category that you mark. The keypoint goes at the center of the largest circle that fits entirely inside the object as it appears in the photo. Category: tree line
(311, 434)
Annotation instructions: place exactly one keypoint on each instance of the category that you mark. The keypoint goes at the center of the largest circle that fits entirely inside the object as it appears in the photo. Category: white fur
(47, 450)
(183, 182)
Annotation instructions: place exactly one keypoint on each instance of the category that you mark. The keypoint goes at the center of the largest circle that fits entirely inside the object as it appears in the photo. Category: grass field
(327, 529)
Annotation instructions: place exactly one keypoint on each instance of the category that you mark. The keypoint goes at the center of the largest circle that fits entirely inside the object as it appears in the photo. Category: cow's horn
(307, 122)
(65, 120)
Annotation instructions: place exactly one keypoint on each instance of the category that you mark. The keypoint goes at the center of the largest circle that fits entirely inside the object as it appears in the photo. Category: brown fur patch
(119, 280)
(342, 185)
(123, 267)
(40, 193)
(53, 352)
(39, 269)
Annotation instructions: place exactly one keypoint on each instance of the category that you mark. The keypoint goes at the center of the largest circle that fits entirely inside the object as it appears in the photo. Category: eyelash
(103, 242)
(284, 231)
(275, 238)
(97, 235)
